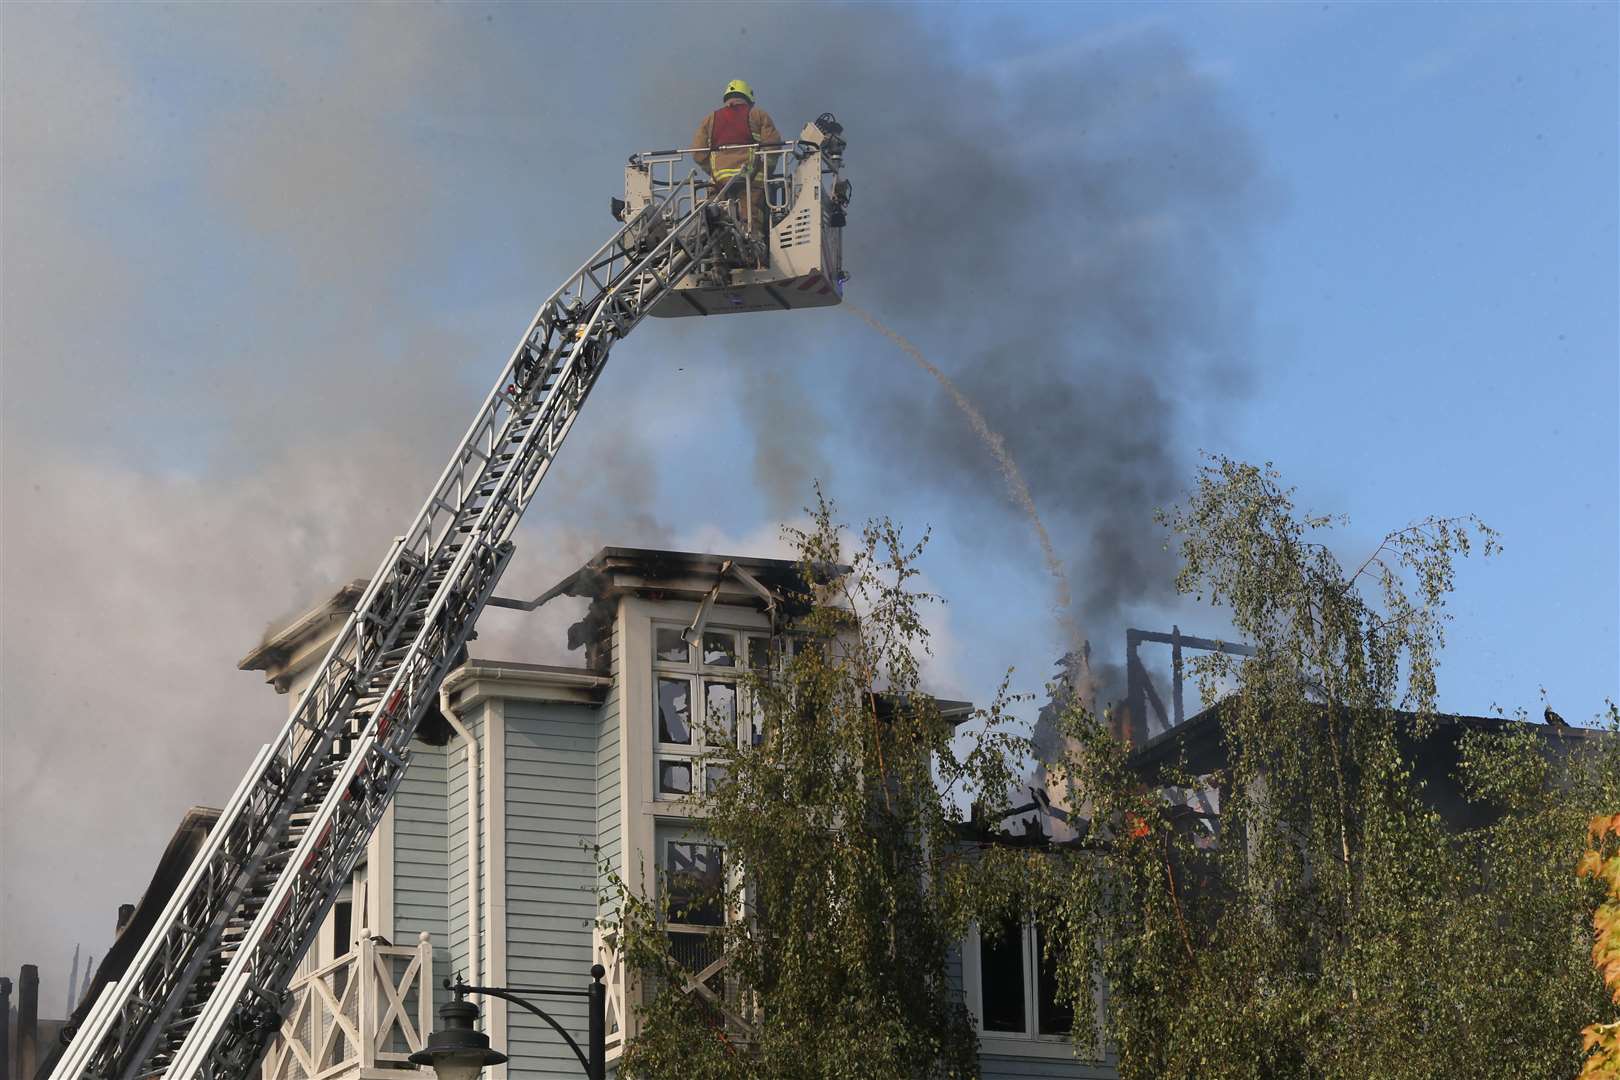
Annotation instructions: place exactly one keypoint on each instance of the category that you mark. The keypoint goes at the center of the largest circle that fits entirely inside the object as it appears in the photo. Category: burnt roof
(653, 566)
(1200, 742)
(616, 572)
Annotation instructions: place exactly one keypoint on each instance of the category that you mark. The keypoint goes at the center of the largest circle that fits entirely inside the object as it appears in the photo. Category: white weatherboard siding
(609, 782)
(420, 851)
(551, 820)
(456, 848)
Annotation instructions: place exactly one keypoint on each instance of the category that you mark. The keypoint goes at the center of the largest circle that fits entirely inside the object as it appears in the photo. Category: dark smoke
(270, 316)
(1067, 236)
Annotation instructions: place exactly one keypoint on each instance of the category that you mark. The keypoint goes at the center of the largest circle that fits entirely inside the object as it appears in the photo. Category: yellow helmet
(739, 86)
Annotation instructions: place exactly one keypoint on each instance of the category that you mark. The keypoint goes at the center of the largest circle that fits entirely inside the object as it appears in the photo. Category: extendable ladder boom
(202, 996)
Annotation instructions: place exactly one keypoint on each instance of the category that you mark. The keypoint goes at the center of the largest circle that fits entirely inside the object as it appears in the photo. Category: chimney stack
(84, 987)
(5, 1029)
(28, 1022)
(73, 982)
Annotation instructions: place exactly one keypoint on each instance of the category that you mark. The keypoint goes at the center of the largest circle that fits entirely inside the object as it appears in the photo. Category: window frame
(699, 676)
(1030, 1042)
(668, 840)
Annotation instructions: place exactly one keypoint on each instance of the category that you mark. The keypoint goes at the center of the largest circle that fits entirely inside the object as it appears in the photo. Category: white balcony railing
(365, 1012)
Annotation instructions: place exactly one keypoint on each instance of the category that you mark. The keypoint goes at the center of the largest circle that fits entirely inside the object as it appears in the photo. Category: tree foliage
(847, 902)
(1602, 863)
(1329, 921)
(1317, 906)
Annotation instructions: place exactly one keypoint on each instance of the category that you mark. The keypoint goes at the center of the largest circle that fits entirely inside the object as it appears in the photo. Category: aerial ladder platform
(203, 995)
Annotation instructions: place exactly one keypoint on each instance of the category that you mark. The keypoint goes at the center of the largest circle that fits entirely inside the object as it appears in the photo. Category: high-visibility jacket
(728, 126)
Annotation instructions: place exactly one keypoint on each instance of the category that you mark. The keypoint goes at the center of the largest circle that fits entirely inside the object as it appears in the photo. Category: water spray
(1016, 487)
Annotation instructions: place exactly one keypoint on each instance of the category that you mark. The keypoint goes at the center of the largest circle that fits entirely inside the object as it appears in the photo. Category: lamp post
(458, 1050)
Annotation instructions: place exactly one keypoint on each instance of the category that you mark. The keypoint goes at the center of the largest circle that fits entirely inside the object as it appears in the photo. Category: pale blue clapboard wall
(551, 815)
(999, 1067)
(563, 794)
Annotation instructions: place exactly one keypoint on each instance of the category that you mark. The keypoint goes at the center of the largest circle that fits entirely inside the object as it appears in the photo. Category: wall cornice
(480, 680)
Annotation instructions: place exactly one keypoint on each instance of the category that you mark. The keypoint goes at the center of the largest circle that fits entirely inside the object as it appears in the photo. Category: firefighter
(738, 120)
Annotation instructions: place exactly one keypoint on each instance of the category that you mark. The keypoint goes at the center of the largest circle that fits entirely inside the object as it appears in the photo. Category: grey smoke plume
(1066, 235)
(260, 263)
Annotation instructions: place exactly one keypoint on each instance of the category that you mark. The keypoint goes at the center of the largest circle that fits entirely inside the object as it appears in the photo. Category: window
(1017, 986)
(1053, 1017)
(719, 648)
(1001, 978)
(675, 711)
(720, 705)
(342, 927)
(697, 704)
(674, 777)
(692, 878)
(695, 880)
(671, 645)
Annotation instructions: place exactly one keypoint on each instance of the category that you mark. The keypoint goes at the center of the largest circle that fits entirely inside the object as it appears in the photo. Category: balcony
(362, 1015)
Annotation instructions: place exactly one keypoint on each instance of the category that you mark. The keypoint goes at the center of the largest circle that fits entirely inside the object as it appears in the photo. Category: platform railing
(364, 1013)
(773, 167)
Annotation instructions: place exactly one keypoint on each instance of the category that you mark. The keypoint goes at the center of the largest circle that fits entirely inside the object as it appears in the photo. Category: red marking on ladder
(310, 859)
(809, 281)
(387, 717)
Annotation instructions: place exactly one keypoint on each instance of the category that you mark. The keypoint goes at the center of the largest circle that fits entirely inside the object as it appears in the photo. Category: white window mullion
(1032, 976)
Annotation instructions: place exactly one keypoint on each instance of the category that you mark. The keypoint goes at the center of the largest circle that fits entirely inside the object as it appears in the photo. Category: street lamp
(458, 1050)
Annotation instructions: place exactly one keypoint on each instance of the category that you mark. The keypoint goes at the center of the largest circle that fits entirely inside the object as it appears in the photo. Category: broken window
(670, 646)
(694, 875)
(674, 711)
(714, 776)
(674, 777)
(756, 720)
(699, 707)
(719, 648)
(720, 706)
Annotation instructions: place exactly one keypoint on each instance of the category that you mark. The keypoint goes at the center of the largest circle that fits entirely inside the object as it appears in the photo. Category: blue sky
(260, 262)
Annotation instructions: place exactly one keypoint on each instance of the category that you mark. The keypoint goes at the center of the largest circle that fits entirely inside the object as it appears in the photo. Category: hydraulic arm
(202, 996)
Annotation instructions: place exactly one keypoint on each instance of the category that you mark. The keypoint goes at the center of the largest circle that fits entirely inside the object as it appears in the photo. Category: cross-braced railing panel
(371, 1008)
(396, 1003)
(614, 1015)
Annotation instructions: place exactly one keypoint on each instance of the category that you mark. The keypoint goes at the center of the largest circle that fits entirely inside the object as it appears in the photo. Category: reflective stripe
(726, 174)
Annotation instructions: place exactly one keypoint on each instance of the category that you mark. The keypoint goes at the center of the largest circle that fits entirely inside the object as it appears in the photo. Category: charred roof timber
(773, 585)
(777, 586)
(1140, 691)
